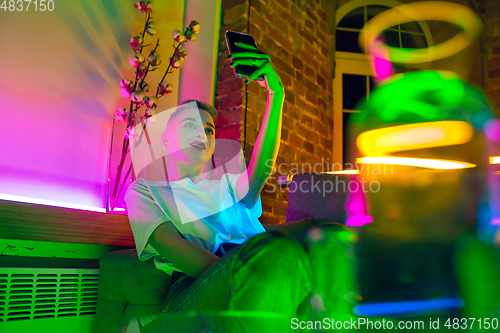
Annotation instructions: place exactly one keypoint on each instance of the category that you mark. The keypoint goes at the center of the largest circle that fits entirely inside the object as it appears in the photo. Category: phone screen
(231, 38)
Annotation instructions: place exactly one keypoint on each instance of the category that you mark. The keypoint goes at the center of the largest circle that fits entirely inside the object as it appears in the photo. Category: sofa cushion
(108, 315)
(144, 313)
(122, 276)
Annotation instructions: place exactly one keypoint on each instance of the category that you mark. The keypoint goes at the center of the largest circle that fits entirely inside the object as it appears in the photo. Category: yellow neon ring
(406, 137)
(429, 163)
(456, 14)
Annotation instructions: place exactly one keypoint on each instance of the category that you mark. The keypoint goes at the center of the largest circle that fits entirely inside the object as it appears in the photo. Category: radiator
(47, 299)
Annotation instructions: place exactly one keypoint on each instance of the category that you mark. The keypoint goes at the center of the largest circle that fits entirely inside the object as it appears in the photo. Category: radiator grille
(33, 293)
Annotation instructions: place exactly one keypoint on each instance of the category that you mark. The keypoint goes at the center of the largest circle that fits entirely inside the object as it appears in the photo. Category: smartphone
(232, 37)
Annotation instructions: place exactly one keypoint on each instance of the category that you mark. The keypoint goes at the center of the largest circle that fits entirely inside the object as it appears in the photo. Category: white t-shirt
(206, 213)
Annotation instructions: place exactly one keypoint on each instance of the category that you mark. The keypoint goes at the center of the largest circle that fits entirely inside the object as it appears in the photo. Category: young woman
(206, 233)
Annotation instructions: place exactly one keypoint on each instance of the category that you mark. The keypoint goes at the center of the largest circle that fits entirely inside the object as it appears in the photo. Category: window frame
(357, 64)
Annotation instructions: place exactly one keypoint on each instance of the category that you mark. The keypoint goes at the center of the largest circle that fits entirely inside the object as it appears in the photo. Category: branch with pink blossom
(137, 90)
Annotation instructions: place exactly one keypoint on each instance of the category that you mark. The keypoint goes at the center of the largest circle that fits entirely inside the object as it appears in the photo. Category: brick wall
(490, 12)
(295, 35)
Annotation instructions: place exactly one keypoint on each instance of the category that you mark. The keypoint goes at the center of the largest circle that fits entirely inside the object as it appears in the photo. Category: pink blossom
(165, 89)
(181, 53)
(136, 43)
(154, 58)
(145, 101)
(120, 113)
(140, 71)
(126, 83)
(127, 87)
(154, 61)
(192, 36)
(137, 96)
(144, 6)
(150, 101)
(137, 60)
(194, 27)
(125, 92)
(150, 28)
(144, 86)
(177, 36)
(175, 61)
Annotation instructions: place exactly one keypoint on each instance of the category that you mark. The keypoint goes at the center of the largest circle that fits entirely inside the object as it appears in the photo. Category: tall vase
(120, 169)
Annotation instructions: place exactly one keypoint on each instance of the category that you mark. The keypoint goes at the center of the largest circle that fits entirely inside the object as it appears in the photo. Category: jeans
(271, 279)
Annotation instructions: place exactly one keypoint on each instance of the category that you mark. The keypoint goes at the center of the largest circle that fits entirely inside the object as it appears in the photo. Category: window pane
(375, 10)
(413, 41)
(411, 26)
(391, 38)
(348, 160)
(372, 83)
(347, 41)
(353, 90)
(354, 19)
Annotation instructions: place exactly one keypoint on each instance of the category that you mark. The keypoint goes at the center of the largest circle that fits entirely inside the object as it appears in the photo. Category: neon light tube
(343, 172)
(35, 201)
(378, 309)
(414, 136)
(417, 162)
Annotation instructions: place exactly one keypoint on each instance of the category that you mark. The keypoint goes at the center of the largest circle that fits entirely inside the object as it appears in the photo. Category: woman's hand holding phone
(267, 144)
(254, 57)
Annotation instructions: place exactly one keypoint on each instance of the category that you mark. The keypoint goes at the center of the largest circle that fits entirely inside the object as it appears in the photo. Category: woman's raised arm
(249, 186)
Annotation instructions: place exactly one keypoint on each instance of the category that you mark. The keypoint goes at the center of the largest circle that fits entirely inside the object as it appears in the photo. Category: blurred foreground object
(461, 16)
(424, 210)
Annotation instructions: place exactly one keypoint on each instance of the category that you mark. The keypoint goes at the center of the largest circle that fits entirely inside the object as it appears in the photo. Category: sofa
(128, 288)
(131, 288)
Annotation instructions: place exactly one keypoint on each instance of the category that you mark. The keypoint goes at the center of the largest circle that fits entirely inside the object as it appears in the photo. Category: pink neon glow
(36, 201)
(56, 150)
(359, 220)
(356, 207)
(381, 63)
(495, 221)
(356, 202)
(382, 66)
(492, 130)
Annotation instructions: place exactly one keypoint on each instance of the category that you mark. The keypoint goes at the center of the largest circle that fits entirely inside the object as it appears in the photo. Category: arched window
(353, 75)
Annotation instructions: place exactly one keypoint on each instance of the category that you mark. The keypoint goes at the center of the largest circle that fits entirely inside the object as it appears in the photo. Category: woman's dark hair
(188, 104)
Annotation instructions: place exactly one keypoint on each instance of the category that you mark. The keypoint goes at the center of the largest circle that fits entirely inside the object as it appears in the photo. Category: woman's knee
(272, 249)
(267, 243)
(276, 260)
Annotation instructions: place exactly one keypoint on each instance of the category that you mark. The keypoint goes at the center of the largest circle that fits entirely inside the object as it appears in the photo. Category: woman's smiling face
(191, 136)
